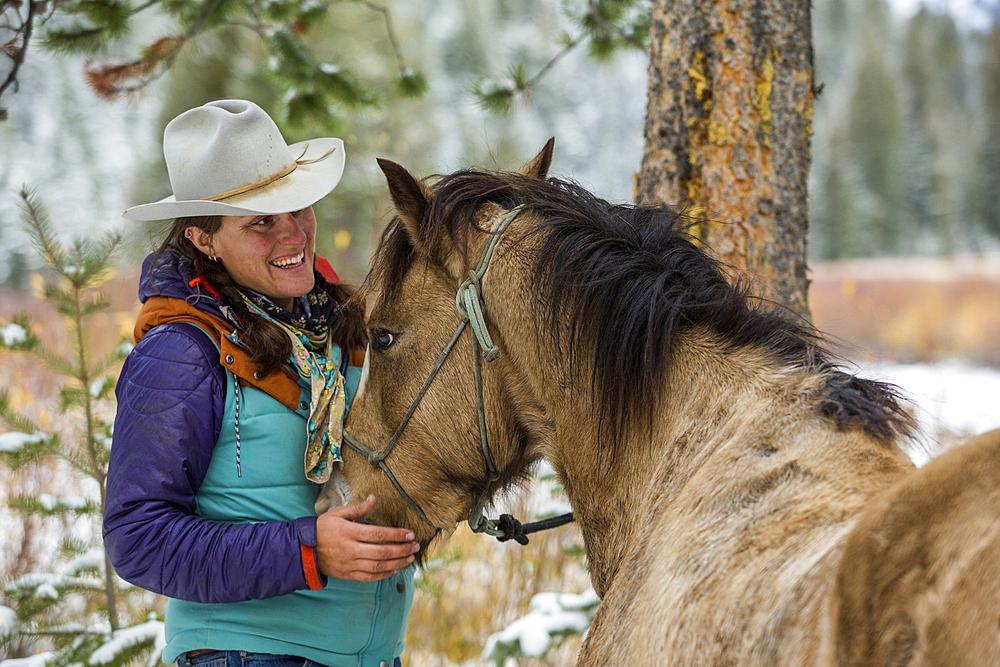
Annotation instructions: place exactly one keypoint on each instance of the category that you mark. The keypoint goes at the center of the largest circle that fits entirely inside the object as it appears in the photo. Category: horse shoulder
(919, 581)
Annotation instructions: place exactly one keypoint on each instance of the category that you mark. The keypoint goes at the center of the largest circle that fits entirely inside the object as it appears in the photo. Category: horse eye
(383, 339)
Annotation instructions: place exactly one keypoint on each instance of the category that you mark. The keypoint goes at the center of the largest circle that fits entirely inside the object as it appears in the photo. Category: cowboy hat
(229, 158)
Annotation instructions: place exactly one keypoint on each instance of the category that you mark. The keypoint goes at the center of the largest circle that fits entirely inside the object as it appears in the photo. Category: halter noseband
(469, 303)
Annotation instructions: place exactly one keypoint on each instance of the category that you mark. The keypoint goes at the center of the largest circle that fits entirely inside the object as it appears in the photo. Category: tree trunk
(728, 132)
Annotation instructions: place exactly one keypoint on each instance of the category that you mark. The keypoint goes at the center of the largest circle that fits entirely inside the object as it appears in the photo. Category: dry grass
(911, 310)
(485, 585)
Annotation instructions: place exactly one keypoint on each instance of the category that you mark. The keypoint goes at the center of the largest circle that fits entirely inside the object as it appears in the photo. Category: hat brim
(303, 187)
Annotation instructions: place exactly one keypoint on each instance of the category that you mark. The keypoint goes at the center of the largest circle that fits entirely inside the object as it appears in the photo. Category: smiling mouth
(290, 262)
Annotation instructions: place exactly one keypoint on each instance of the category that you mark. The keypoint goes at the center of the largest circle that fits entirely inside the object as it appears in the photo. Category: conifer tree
(987, 183)
(79, 613)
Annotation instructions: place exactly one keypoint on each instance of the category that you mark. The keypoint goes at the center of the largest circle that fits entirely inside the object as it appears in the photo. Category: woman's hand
(349, 550)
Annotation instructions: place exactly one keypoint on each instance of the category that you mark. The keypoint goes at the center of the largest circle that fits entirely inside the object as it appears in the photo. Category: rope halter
(469, 303)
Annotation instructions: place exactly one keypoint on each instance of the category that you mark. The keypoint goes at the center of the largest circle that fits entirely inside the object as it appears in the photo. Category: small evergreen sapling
(81, 613)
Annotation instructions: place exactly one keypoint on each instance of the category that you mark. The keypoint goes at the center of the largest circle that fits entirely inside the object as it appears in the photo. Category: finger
(380, 534)
(384, 553)
(355, 512)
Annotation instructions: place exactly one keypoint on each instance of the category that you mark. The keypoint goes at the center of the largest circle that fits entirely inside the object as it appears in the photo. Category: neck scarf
(314, 359)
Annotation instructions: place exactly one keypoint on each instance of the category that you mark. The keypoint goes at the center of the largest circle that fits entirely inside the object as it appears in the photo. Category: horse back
(919, 581)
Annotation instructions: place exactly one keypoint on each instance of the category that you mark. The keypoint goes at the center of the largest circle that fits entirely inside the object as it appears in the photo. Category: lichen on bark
(727, 132)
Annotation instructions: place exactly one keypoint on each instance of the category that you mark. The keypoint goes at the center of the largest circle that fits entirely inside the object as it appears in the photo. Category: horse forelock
(622, 281)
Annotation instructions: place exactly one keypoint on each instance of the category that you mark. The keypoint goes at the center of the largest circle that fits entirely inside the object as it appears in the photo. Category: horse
(743, 499)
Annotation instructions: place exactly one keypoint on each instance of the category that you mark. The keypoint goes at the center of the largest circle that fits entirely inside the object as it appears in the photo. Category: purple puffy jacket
(171, 396)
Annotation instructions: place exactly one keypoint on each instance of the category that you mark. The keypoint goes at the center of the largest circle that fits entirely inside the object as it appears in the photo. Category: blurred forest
(906, 156)
(906, 153)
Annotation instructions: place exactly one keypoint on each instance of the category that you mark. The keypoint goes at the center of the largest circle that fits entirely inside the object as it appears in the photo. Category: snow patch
(949, 399)
(549, 615)
(13, 334)
(128, 637)
(37, 660)
(50, 503)
(9, 622)
(92, 560)
(16, 441)
(46, 592)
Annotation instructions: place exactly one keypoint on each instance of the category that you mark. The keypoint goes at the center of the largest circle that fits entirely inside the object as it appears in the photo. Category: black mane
(629, 278)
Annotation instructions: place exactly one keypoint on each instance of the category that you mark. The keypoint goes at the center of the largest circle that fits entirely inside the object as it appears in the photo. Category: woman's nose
(290, 230)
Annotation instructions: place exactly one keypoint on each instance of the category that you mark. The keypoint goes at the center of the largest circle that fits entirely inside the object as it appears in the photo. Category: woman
(229, 416)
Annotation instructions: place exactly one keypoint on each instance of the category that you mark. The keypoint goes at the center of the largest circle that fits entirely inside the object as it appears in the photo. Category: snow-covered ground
(951, 399)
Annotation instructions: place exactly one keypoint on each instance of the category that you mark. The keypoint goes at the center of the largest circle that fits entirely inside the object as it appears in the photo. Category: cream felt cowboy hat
(228, 158)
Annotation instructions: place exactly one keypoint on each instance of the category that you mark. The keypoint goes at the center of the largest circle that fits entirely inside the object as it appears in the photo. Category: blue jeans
(244, 659)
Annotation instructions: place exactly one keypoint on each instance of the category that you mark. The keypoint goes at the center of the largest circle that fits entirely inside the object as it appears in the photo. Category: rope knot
(511, 529)
(375, 458)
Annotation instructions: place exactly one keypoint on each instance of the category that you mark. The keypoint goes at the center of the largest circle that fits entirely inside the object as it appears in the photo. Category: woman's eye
(266, 220)
(383, 339)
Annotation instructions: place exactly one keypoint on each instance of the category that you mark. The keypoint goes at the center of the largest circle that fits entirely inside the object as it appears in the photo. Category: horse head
(418, 444)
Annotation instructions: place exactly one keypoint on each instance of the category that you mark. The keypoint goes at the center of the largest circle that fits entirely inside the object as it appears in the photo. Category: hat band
(271, 179)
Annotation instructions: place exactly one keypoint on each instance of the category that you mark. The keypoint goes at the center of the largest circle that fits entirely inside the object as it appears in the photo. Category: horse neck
(712, 397)
(614, 489)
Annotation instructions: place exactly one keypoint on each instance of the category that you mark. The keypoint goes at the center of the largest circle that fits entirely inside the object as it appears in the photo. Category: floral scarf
(314, 359)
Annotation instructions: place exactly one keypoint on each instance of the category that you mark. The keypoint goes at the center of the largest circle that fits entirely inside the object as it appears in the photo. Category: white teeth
(291, 261)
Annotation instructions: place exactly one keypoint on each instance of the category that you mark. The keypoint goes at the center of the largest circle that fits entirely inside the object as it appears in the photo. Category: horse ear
(409, 196)
(539, 165)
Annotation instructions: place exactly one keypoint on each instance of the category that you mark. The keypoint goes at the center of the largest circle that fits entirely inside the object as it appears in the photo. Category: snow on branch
(15, 442)
(551, 618)
(128, 639)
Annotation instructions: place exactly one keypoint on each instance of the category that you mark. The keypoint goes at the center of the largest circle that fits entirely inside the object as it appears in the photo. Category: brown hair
(269, 344)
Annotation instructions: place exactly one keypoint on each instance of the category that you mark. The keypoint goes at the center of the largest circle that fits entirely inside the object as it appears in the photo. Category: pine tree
(987, 184)
(280, 27)
(938, 118)
(80, 613)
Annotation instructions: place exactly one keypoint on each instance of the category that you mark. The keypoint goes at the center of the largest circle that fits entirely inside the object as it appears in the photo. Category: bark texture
(728, 132)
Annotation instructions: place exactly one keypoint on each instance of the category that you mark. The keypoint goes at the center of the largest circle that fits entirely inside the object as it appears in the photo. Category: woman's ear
(201, 239)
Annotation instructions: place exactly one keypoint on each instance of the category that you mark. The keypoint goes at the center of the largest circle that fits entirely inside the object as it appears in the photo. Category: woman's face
(270, 254)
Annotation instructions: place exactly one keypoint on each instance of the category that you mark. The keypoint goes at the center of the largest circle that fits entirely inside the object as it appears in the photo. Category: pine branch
(411, 83)
(110, 360)
(53, 360)
(599, 25)
(43, 238)
(154, 63)
(49, 506)
(19, 335)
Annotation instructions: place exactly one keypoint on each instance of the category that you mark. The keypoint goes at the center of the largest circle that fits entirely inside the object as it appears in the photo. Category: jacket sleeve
(171, 397)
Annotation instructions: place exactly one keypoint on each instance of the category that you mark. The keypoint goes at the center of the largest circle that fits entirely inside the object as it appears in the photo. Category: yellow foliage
(484, 586)
(342, 239)
(37, 285)
(124, 322)
(848, 287)
(19, 399)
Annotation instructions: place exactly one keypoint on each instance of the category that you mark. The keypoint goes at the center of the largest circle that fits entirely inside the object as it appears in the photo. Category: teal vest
(347, 623)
